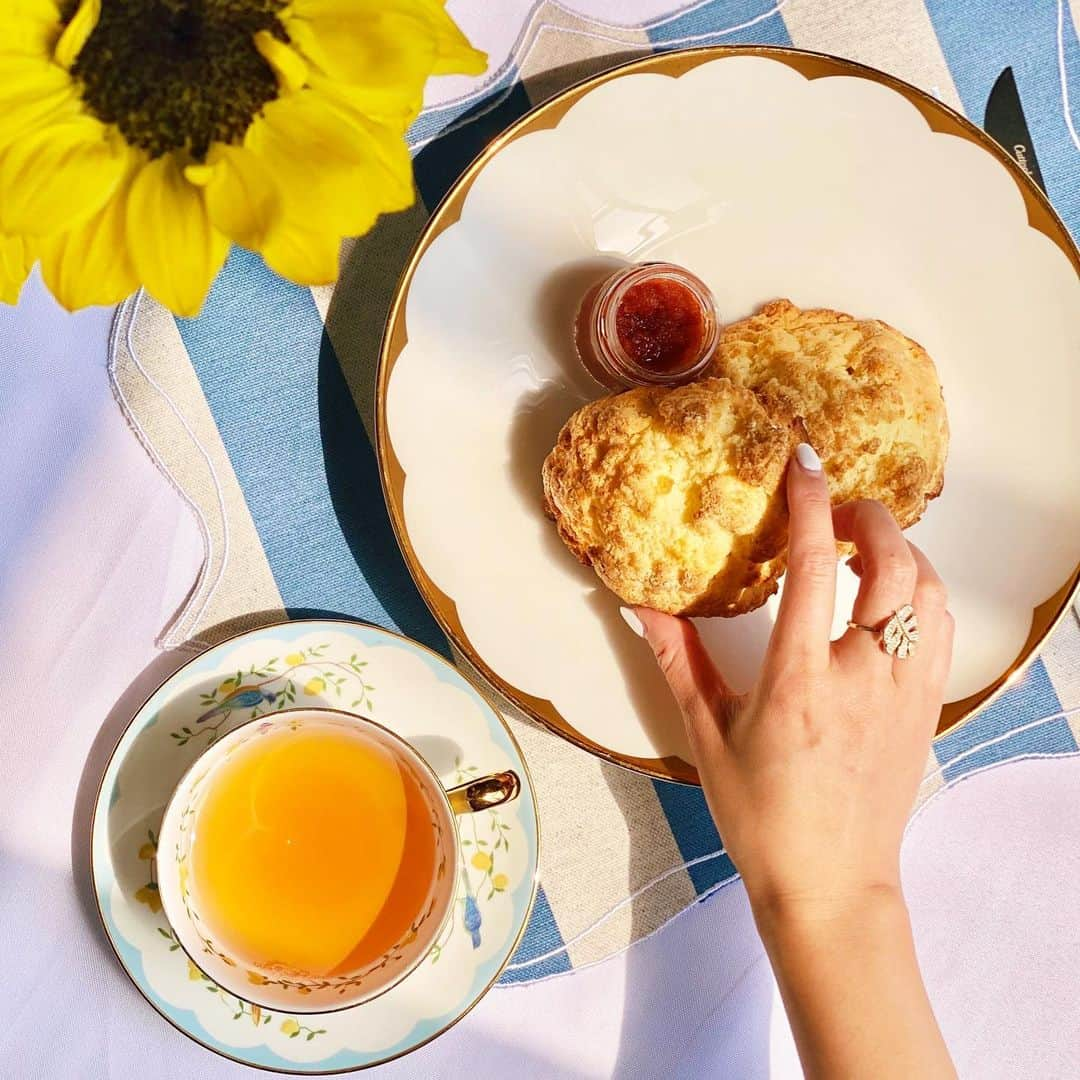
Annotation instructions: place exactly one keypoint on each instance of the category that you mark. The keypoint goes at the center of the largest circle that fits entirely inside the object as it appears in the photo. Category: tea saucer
(349, 666)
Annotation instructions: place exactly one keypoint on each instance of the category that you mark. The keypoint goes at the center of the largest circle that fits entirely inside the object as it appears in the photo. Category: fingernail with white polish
(631, 620)
(807, 457)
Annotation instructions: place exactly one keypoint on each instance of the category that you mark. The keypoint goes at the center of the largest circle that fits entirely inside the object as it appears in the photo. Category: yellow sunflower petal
(308, 258)
(241, 197)
(380, 53)
(32, 26)
(175, 249)
(32, 91)
(41, 10)
(456, 56)
(90, 264)
(288, 64)
(376, 49)
(15, 263)
(76, 32)
(368, 37)
(364, 168)
(371, 140)
(57, 175)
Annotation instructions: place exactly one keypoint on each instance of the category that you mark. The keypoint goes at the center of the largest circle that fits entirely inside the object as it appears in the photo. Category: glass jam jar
(651, 324)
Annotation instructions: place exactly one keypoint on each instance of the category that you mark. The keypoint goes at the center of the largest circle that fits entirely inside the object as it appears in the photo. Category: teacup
(244, 846)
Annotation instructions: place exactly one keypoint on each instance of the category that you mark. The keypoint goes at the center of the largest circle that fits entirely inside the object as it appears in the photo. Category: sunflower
(139, 138)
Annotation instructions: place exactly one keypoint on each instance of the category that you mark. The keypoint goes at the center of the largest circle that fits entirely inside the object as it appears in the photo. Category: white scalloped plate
(768, 173)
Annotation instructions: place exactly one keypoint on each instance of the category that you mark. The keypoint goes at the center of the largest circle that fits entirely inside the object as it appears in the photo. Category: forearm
(852, 988)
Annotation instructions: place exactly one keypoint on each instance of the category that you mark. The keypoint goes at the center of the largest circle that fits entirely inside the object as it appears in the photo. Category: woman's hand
(811, 776)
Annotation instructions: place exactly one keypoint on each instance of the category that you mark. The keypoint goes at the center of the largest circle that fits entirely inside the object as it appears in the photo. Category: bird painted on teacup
(243, 697)
(472, 920)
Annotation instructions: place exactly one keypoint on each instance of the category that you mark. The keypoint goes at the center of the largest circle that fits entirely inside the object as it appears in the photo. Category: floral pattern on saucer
(339, 665)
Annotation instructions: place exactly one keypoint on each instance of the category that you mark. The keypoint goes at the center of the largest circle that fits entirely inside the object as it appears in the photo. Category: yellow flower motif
(290, 1027)
(147, 852)
(482, 861)
(138, 139)
(500, 881)
(315, 686)
(148, 895)
(294, 658)
(193, 973)
(255, 978)
(228, 686)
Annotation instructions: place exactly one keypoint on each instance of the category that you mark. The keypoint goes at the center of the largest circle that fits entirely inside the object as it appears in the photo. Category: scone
(866, 396)
(675, 497)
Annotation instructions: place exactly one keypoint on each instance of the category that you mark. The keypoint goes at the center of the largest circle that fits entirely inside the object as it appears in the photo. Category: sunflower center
(174, 74)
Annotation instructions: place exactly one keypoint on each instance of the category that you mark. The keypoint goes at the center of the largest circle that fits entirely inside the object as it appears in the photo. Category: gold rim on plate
(940, 118)
(510, 951)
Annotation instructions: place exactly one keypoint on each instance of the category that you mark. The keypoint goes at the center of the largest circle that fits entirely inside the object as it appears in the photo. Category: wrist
(787, 917)
(849, 976)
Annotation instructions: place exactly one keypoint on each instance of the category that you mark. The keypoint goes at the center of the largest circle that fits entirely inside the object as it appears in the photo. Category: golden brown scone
(867, 397)
(675, 497)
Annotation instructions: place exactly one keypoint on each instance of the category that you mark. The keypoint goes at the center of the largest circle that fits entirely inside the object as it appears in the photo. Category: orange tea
(313, 851)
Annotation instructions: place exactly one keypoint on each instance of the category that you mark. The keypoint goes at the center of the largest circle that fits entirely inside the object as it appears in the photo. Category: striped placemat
(261, 412)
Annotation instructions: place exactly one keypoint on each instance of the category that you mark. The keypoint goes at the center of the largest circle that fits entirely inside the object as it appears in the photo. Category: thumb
(697, 686)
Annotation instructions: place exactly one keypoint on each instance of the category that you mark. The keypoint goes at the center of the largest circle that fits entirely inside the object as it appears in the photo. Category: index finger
(806, 607)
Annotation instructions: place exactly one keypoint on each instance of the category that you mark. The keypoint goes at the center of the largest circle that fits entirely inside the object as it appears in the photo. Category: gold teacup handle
(485, 793)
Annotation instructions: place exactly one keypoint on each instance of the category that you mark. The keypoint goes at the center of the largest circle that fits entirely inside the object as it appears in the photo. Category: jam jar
(651, 324)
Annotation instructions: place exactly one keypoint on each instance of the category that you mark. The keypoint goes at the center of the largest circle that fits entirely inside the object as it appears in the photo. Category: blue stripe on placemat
(271, 379)
(542, 937)
(694, 832)
(1033, 699)
(980, 38)
(714, 23)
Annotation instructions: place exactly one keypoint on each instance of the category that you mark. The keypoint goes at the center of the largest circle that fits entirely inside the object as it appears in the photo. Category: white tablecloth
(96, 551)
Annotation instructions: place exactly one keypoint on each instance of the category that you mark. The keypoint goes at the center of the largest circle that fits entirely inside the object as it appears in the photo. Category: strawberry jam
(661, 325)
(650, 324)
